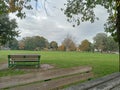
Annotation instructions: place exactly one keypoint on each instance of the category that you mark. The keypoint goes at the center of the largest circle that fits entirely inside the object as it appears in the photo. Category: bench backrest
(24, 57)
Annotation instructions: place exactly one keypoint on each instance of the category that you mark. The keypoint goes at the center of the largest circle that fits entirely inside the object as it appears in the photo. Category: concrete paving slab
(106, 83)
(56, 83)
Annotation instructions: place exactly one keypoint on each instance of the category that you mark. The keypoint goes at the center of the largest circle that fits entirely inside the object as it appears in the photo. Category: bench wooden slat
(13, 59)
(28, 59)
(24, 56)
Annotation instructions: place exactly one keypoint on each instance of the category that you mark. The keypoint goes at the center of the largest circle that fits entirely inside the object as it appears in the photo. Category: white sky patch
(54, 27)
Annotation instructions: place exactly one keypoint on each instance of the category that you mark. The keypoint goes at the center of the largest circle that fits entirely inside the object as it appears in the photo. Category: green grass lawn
(102, 64)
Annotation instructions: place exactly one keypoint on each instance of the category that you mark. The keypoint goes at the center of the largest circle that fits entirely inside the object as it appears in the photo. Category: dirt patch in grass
(5, 71)
(46, 66)
(43, 67)
(3, 66)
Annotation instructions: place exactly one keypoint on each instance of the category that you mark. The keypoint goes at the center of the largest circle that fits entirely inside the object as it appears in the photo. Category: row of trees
(101, 43)
(32, 43)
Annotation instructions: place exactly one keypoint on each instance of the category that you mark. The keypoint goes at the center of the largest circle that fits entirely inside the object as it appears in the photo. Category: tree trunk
(118, 30)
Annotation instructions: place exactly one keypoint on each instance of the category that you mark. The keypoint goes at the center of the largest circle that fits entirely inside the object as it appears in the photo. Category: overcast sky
(53, 25)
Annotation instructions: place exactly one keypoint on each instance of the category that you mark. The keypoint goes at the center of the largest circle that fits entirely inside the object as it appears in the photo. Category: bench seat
(23, 60)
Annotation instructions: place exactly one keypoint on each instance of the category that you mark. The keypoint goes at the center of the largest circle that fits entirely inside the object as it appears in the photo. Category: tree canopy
(83, 10)
(33, 43)
(53, 45)
(7, 29)
(85, 45)
(11, 6)
(105, 43)
(69, 43)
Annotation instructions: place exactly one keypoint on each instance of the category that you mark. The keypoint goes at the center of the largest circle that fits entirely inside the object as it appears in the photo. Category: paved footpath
(3, 66)
(55, 83)
(109, 82)
(40, 76)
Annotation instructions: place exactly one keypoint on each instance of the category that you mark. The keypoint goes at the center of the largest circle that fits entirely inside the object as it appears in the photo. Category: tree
(61, 48)
(92, 47)
(83, 10)
(111, 44)
(69, 43)
(53, 45)
(100, 42)
(85, 45)
(7, 26)
(40, 42)
(11, 6)
(104, 43)
(13, 44)
(28, 43)
(7, 29)
(18, 6)
(34, 43)
(21, 45)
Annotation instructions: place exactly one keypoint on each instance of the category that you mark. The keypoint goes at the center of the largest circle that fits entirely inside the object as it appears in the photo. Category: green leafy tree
(104, 43)
(40, 42)
(100, 42)
(13, 44)
(7, 26)
(7, 29)
(111, 44)
(28, 43)
(34, 43)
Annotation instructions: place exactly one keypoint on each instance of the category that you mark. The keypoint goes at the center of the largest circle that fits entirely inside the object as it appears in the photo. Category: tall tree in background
(53, 45)
(105, 43)
(13, 44)
(69, 43)
(21, 45)
(112, 46)
(33, 43)
(85, 45)
(100, 42)
(61, 48)
(7, 29)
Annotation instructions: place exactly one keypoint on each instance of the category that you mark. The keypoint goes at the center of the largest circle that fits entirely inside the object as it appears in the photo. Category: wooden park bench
(24, 60)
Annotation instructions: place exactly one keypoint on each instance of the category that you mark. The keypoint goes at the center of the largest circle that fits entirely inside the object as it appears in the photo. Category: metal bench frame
(32, 59)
